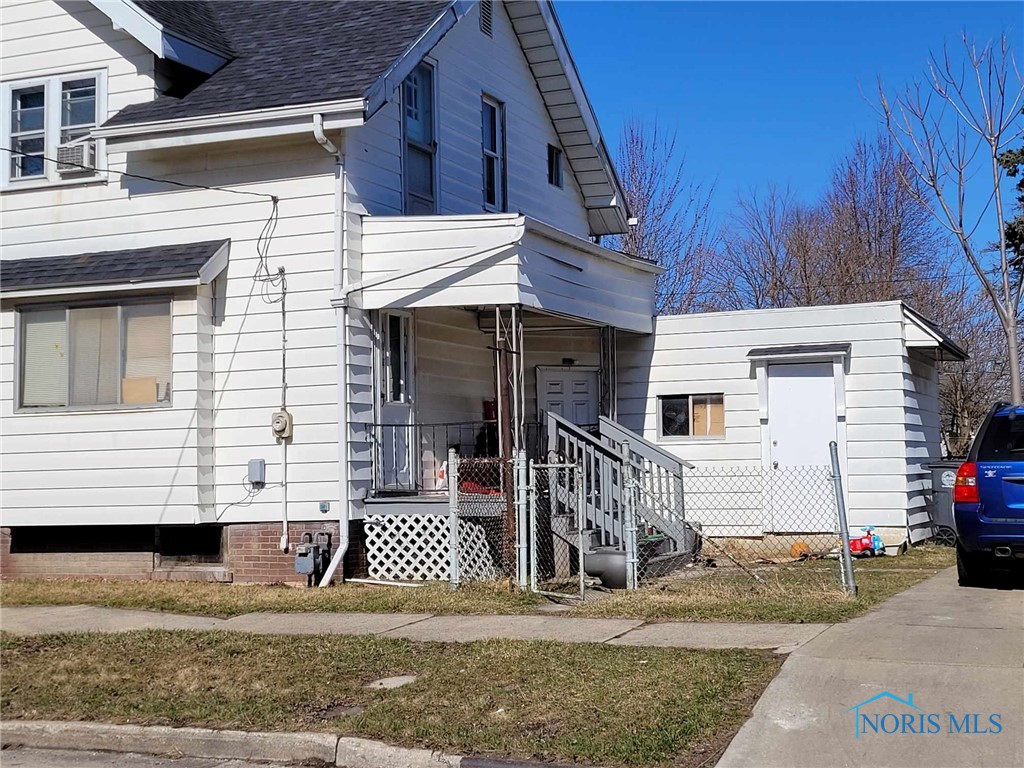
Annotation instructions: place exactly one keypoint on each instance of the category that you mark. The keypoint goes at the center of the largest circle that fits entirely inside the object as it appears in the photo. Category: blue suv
(988, 498)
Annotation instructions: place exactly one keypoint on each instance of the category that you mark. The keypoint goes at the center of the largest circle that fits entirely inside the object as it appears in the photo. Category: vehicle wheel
(945, 537)
(969, 571)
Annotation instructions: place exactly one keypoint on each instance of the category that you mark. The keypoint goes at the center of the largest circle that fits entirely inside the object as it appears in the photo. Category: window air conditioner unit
(77, 157)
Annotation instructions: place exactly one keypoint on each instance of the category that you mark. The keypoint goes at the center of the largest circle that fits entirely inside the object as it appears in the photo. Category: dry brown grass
(590, 703)
(797, 593)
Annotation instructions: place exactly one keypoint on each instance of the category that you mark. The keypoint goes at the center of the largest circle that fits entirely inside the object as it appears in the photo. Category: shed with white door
(771, 388)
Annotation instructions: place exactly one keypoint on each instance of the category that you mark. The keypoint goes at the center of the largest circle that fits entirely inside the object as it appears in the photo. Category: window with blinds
(84, 356)
(692, 415)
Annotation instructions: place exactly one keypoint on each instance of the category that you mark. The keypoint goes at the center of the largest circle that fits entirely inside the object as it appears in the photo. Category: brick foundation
(250, 553)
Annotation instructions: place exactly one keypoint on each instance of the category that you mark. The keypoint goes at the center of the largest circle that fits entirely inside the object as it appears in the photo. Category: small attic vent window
(487, 17)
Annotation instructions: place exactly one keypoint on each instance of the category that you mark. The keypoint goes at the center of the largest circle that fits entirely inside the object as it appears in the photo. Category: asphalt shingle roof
(286, 53)
(192, 20)
(164, 262)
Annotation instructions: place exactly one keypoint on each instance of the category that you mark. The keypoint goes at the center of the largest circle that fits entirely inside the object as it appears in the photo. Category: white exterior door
(571, 392)
(801, 424)
(396, 470)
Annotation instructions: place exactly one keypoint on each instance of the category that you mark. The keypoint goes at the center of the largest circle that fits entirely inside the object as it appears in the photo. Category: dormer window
(46, 126)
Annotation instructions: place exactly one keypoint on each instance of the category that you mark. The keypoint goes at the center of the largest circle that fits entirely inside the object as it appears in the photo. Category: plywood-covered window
(691, 415)
(96, 355)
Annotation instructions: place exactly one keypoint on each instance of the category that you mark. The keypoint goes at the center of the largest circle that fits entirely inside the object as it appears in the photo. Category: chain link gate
(557, 530)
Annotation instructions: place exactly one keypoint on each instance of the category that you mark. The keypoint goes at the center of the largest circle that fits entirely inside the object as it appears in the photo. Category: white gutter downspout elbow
(341, 330)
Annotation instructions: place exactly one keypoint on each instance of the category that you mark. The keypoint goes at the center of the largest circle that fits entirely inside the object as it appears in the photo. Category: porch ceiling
(502, 259)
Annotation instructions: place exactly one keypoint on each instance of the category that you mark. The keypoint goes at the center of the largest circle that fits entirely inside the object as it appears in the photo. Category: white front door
(571, 392)
(801, 424)
(397, 470)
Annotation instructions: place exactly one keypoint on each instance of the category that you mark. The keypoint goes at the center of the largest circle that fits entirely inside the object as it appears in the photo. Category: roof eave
(947, 349)
(377, 95)
(249, 124)
(126, 15)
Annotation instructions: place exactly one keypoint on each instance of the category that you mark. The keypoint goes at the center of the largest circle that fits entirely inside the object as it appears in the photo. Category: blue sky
(765, 92)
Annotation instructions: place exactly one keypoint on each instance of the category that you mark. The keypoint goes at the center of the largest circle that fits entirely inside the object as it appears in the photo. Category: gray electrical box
(257, 473)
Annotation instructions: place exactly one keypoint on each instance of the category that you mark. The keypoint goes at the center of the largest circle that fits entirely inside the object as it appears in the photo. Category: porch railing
(409, 457)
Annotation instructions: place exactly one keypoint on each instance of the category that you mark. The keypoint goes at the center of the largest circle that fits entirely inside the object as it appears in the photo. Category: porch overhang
(502, 259)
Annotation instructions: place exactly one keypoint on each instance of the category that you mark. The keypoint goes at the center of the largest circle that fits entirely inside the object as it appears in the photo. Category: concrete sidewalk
(35, 620)
(958, 651)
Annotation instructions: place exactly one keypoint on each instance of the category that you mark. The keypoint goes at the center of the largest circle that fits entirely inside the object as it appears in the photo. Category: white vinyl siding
(468, 64)
(886, 441)
(181, 462)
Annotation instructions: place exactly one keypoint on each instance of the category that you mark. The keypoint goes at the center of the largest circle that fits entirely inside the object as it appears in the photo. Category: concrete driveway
(958, 651)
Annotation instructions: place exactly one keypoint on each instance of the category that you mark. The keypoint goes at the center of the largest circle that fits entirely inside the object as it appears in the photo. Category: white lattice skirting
(417, 548)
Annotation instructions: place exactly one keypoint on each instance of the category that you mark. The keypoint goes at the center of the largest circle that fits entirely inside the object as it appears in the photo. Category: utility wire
(156, 180)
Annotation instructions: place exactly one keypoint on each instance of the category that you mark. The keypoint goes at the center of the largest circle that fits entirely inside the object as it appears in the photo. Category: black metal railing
(409, 457)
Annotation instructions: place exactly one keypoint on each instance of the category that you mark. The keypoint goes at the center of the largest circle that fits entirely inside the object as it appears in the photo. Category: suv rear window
(1003, 440)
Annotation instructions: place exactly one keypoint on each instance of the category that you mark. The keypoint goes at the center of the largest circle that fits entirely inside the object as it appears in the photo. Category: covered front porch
(479, 381)
(482, 324)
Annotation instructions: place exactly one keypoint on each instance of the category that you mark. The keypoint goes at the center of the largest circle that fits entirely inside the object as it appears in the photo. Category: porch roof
(502, 259)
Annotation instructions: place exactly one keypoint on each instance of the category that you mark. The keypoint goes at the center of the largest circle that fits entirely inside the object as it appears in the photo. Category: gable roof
(342, 60)
(283, 56)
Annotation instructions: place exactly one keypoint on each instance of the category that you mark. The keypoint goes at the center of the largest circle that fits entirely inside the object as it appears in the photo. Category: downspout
(341, 330)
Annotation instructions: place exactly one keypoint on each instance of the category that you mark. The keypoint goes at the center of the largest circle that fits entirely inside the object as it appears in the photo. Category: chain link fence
(734, 516)
(485, 519)
(557, 530)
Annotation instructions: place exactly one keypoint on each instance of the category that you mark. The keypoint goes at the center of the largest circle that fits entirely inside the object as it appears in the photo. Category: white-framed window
(691, 416)
(47, 119)
(397, 358)
(493, 119)
(420, 146)
(82, 356)
(555, 166)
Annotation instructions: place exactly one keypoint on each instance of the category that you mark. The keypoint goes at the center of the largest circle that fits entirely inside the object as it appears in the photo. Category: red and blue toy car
(868, 545)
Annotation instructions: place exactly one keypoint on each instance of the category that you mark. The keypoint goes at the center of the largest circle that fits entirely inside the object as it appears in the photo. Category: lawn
(590, 703)
(802, 592)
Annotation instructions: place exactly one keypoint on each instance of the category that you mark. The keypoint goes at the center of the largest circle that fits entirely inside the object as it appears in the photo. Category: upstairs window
(96, 355)
(46, 126)
(493, 112)
(691, 416)
(420, 146)
(554, 166)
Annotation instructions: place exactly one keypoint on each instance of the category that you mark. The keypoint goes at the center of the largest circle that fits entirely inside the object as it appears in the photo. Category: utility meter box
(281, 423)
(306, 556)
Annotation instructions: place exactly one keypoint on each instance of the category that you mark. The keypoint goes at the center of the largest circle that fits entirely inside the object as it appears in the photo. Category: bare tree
(866, 239)
(951, 129)
(672, 224)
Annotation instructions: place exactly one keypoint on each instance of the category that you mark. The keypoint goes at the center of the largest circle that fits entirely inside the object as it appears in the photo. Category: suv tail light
(966, 489)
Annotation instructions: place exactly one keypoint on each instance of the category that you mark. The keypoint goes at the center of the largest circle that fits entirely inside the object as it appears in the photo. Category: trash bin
(943, 480)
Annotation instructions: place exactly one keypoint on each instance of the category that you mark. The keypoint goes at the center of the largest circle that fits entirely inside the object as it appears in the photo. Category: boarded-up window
(692, 415)
(96, 355)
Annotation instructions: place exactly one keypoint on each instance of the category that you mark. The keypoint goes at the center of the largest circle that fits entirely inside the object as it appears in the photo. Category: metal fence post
(522, 502)
(453, 517)
(532, 484)
(581, 502)
(844, 531)
(628, 515)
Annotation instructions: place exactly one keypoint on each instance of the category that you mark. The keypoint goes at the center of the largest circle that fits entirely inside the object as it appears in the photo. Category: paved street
(60, 758)
(958, 651)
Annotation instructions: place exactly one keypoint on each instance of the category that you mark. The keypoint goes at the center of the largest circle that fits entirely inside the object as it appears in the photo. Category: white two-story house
(265, 263)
